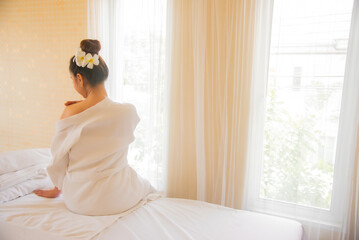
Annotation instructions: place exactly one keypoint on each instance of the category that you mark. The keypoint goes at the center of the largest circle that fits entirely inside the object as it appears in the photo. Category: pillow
(40, 181)
(16, 160)
(13, 178)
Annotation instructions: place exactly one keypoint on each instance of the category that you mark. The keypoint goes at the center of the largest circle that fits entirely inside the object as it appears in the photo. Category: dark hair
(98, 73)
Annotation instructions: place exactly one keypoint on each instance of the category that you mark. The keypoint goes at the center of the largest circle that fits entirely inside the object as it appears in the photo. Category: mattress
(31, 217)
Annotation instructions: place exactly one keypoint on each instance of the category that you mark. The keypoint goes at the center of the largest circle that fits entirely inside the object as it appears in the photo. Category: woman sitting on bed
(91, 144)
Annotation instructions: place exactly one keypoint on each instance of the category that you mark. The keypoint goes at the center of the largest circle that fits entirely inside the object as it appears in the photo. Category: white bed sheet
(164, 218)
(30, 217)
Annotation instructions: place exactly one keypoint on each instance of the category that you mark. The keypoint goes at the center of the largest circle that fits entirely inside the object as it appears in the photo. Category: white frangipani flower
(91, 60)
(80, 58)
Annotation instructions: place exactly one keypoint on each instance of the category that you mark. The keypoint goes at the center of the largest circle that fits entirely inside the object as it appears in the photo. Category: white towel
(12, 178)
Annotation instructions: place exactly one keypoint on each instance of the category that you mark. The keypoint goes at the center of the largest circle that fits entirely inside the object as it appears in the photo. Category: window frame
(252, 201)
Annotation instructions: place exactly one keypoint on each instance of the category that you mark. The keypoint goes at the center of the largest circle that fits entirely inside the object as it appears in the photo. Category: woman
(91, 143)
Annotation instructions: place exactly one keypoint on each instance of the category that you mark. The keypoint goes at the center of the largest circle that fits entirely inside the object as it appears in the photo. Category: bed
(31, 217)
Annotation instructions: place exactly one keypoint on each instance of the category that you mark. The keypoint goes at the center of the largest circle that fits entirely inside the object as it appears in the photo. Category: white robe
(90, 160)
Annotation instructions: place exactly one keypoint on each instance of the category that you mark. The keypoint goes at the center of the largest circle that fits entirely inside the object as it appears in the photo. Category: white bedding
(32, 217)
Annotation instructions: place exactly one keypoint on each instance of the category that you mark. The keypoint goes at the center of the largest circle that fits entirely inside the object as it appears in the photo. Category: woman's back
(106, 131)
(94, 143)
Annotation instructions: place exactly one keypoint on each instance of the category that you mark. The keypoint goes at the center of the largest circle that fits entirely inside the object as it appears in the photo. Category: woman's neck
(96, 93)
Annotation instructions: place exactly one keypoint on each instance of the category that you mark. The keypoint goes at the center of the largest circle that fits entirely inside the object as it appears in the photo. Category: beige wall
(37, 38)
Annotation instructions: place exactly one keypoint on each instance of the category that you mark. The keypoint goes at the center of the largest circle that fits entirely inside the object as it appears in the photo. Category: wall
(37, 38)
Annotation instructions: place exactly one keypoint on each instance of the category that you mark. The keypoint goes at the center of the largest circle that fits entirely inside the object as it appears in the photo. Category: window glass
(306, 70)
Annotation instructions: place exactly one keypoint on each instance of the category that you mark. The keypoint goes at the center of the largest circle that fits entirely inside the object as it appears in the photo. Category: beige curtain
(210, 83)
(353, 217)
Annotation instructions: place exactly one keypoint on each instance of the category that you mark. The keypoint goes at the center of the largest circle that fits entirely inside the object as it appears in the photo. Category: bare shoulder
(72, 109)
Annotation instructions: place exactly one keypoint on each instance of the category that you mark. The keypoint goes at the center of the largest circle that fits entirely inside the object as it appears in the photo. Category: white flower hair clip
(82, 59)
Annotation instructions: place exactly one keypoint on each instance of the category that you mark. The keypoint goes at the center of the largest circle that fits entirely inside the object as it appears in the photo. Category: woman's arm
(68, 103)
(53, 193)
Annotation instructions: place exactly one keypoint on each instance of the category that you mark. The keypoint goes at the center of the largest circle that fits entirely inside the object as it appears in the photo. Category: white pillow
(41, 181)
(12, 161)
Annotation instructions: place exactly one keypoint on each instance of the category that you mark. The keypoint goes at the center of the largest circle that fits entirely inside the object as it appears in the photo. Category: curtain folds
(350, 129)
(210, 84)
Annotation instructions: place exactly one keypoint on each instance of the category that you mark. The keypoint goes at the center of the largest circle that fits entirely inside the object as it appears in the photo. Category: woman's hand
(68, 103)
(53, 193)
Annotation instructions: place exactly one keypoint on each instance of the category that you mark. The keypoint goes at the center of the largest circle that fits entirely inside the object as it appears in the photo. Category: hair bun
(90, 46)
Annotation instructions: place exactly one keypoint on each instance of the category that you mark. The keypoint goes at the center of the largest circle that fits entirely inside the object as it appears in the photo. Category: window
(298, 169)
(134, 33)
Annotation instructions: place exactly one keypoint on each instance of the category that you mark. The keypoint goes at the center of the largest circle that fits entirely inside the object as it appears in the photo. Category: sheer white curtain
(133, 38)
(348, 146)
(336, 217)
